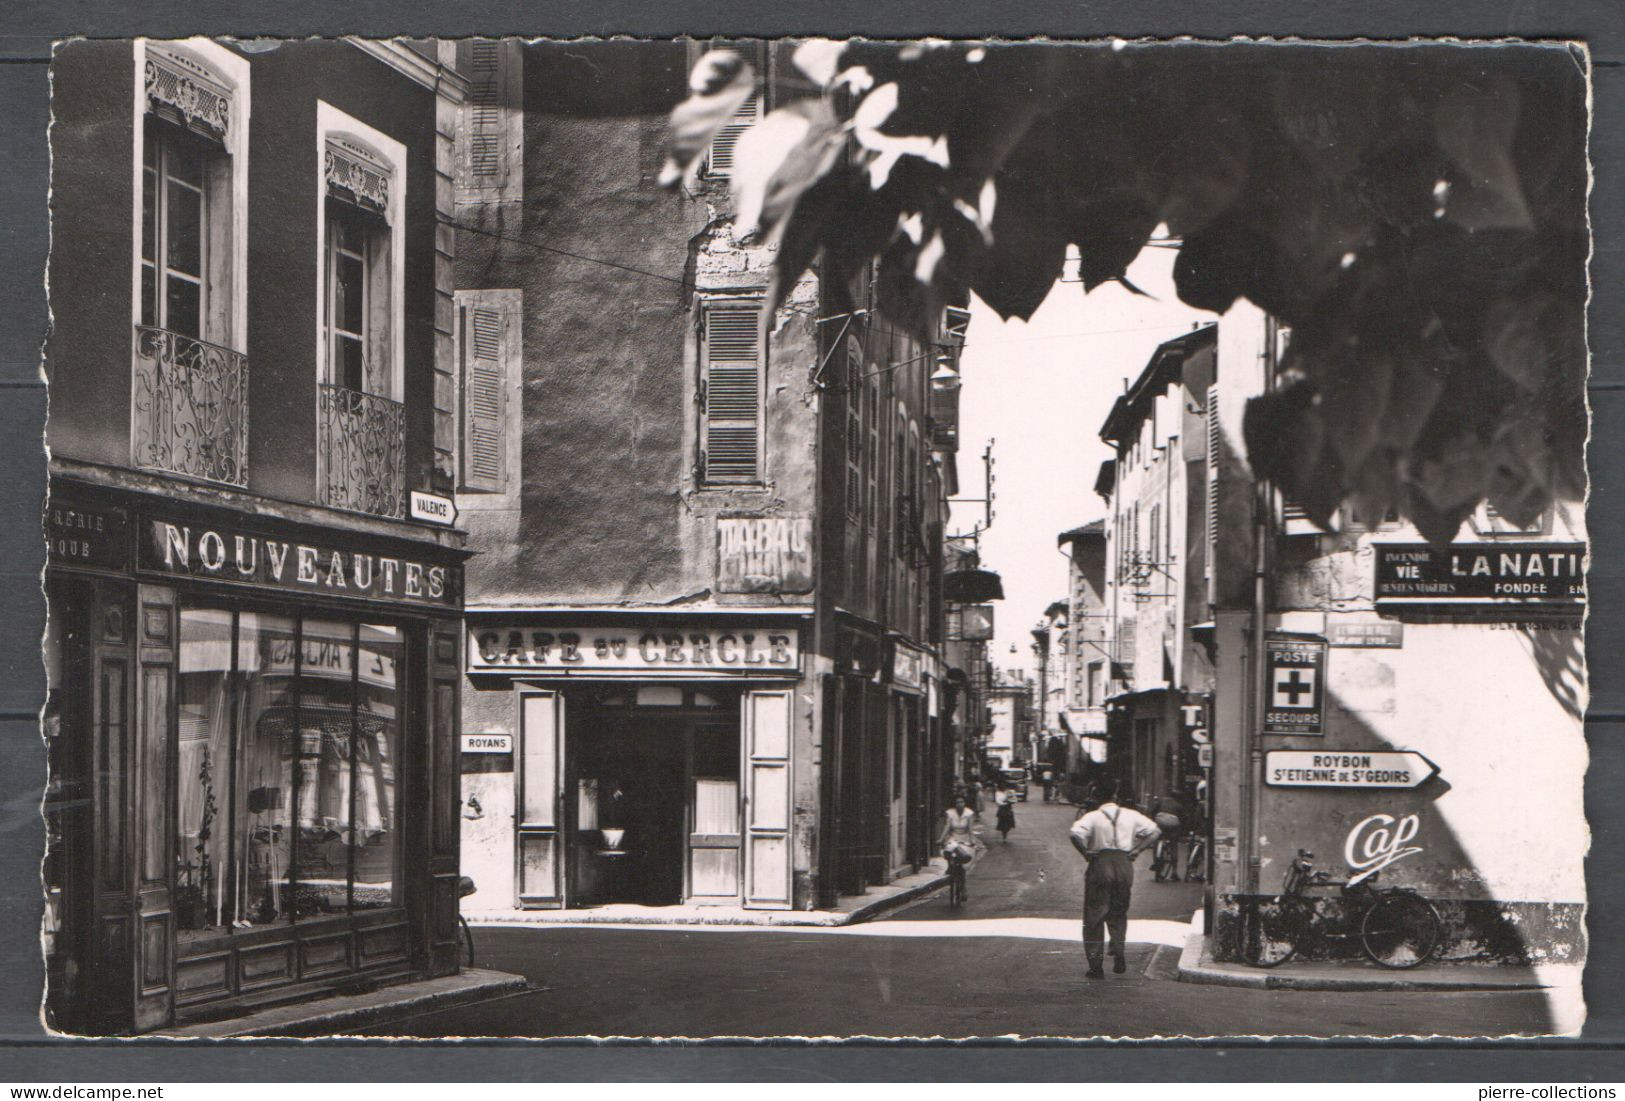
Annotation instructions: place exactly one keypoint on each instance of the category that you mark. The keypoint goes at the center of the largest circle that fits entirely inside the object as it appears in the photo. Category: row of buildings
(1354, 692)
(430, 497)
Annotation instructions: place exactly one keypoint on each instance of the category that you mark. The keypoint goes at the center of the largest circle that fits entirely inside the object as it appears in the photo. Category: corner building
(253, 649)
(702, 664)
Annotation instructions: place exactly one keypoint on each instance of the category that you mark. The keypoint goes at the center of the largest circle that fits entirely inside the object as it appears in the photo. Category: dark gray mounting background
(27, 28)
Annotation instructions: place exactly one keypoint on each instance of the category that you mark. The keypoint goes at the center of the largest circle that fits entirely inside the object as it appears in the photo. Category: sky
(1040, 390)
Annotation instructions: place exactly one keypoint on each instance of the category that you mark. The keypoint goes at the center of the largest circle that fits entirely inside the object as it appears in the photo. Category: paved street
(1009, 962)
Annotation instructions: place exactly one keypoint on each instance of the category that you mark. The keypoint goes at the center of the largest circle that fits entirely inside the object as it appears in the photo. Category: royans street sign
(1321, 768)
(1481, 573)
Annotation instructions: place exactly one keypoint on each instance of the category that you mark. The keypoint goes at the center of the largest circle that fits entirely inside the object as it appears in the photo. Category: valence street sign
(1295, 691)
(1320, 768)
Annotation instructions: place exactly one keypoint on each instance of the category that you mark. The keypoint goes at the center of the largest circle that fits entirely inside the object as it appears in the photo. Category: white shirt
(1113, 827)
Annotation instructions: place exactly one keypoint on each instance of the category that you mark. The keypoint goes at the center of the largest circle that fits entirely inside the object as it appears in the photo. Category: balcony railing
(191, 407)
(362, 452)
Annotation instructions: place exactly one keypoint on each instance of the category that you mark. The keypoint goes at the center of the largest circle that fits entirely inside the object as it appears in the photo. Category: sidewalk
(850, 910)
(338, 1015)
(1196, 965)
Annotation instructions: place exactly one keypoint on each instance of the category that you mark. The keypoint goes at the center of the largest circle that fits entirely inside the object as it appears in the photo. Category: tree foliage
(1415, 213)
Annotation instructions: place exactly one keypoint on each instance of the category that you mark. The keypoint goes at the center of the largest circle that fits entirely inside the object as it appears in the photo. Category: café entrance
(654, 770)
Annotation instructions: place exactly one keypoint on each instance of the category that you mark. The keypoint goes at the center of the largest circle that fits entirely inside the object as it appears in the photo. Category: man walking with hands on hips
(1109, 837)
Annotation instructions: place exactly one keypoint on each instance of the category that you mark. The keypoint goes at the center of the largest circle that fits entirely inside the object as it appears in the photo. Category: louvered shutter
(721, 159)
(486, 340)
(485, 130)
(733, 392)
(854, 428)
(1212, 483)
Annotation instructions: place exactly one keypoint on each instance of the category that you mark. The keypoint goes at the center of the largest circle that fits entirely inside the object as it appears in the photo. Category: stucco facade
(652, 488)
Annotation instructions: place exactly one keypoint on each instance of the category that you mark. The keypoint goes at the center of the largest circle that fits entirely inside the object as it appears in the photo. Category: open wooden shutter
(854, 428)
(733, 392)
(1212, 488)
(485, 110)
(490, 158)
(767, 798)
(488, 323)
(721, 159)
(538, 844)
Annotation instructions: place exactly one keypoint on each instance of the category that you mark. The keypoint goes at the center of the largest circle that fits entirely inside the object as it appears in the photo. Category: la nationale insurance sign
(1481, 573)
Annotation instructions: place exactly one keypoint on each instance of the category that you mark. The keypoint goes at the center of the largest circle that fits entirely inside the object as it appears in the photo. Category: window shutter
(854, 428)
(733, 392)
(490, 158)
(721, 160)
(485, 130)
(486, 339)
(1212, 481)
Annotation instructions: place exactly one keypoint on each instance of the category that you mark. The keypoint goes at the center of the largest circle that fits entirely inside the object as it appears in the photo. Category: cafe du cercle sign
(643, 651)
(219, 553)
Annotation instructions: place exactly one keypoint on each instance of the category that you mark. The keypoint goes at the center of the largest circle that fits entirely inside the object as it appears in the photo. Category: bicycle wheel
(1401, 931)
(1196, 863)
(1275, 928)
(468, 940)
(1159, 862)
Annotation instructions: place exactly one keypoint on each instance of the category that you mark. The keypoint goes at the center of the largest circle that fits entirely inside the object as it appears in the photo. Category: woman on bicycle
(959, 842)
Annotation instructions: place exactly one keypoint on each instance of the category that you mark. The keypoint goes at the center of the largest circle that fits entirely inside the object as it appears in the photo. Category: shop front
(252, 789)
(631, 761)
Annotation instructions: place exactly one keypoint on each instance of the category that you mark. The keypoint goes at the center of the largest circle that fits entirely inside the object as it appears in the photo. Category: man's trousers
(1106, 889)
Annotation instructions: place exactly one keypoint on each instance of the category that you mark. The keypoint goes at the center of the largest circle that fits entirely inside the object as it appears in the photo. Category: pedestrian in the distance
(1007, 815)
(1109, 837)
(1049, 785)
(973, 797)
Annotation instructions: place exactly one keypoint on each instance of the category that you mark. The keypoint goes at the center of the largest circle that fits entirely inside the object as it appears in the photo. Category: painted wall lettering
(764, 554)
(1378, 841)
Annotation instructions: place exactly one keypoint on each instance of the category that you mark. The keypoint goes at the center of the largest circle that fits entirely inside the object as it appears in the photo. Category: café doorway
(654, 771)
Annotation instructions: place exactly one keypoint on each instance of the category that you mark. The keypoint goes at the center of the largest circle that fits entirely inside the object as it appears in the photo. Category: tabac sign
(651, 651)
(764, 554)
(1295, 688)
(219, 553)
(1481, 573)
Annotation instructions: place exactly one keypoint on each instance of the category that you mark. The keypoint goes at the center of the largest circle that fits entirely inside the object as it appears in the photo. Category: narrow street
(1008, 962)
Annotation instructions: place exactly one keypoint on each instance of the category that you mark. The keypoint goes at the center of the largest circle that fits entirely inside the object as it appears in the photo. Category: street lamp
(946, 376)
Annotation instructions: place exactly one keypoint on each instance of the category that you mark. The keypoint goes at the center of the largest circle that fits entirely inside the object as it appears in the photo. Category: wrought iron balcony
(362, 455)
(191, 407)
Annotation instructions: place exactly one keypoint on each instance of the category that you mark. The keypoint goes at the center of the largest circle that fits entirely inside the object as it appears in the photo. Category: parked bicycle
(1396, 927)
(465, 887)
(1196, 859)
(1165, 859)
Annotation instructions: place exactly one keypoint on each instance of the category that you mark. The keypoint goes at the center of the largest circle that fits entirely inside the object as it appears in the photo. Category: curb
(825, 919)
(1196, 966)
(882, 905)
(335, 1016)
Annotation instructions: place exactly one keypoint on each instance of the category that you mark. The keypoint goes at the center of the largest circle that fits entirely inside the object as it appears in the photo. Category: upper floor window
(190, 376)
(360, 252)
(732, 366)
(358, 267)
(174, 216)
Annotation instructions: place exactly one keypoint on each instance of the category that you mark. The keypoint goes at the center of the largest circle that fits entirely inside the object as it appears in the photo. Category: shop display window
(289, 748)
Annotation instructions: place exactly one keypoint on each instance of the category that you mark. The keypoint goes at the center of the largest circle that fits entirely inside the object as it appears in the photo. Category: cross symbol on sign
(1298, 682)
